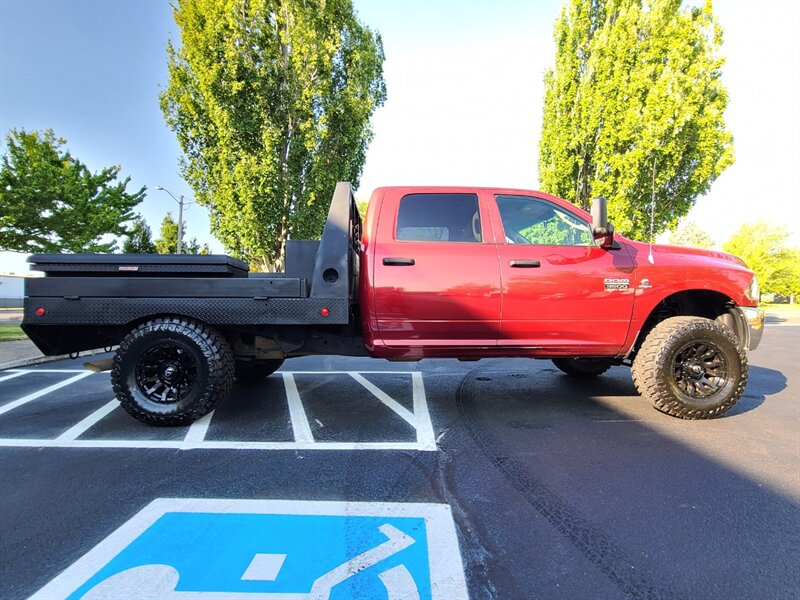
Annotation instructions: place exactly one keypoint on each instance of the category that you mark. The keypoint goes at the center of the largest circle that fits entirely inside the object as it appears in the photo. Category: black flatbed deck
(88, 301)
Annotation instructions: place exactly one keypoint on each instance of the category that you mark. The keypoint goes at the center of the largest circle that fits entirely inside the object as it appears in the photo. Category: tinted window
(532, 221)
(439, 218)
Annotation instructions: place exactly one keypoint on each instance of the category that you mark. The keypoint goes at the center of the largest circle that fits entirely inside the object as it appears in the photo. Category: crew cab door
(561, 292)
(436, 281)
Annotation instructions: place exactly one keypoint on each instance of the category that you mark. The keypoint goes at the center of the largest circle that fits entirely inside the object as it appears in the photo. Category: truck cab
(457, 272)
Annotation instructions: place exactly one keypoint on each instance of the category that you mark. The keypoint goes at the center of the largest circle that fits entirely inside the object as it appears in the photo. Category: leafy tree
(361, 205)
(691, 234)
(167, 242)
(634, 109)
(140, 238)
(51, 202)
(785, 278)
(271, 102)
(764, 247)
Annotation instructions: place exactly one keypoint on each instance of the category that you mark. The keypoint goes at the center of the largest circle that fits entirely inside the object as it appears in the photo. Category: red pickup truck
(454, 272)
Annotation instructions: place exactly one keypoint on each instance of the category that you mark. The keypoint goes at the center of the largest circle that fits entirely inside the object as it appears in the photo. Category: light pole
(179, 200)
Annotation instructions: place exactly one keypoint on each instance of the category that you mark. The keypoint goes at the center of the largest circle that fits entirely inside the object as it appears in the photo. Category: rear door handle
(399, 262)
(525, 264)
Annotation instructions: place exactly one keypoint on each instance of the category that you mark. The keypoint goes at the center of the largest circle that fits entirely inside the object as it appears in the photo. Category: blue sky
(464, 101)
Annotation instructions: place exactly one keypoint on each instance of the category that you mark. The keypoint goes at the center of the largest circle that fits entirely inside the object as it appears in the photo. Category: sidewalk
(20, 353)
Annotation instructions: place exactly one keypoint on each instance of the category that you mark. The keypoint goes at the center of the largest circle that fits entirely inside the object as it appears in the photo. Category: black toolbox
(138, 265)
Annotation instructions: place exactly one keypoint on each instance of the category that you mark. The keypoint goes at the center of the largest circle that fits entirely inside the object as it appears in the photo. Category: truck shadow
(654, 507)
(762, 382)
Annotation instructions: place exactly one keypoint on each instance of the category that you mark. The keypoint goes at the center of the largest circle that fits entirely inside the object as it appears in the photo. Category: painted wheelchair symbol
(158, 581)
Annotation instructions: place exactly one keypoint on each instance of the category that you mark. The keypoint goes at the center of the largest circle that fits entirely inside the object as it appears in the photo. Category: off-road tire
(661, 365)
(257, 371)
(583, 367)
(197, 349)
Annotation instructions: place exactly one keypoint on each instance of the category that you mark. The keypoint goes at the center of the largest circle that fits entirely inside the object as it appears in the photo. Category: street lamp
(180, 202)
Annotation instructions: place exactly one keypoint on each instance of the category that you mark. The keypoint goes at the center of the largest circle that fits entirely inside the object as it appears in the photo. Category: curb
(38, 360)
(26, 362)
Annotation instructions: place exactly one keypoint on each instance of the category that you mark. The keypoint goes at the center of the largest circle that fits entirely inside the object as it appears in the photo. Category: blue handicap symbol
(247, 556)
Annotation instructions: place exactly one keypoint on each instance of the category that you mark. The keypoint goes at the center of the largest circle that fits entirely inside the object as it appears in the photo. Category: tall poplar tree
(633, 109)
(271, 102)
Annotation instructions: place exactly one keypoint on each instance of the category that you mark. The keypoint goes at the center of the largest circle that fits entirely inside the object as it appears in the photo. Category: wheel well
(692, 303)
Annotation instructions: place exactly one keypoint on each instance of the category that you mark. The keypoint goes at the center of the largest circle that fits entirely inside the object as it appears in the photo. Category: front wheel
(172, 371)
(690, 367)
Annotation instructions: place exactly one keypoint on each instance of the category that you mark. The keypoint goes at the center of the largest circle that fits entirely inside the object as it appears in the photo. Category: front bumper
(752, 324)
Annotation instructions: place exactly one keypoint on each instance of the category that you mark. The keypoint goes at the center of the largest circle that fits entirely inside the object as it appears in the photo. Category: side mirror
(601, 228)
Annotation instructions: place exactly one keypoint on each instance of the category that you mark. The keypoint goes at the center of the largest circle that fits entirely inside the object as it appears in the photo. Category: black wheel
(172, 371)
(690, 367)
(257, 370)
(583, 367)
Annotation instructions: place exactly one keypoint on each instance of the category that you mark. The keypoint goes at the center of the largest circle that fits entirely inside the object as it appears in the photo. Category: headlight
(752, 291)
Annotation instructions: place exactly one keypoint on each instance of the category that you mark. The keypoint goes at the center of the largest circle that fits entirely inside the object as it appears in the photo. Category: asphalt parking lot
(526, 483)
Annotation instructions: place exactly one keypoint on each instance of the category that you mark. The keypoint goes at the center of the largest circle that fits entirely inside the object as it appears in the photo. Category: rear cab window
(439, 218)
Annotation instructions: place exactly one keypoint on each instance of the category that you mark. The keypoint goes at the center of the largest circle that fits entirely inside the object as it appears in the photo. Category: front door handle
(399, 262)
(525, 264)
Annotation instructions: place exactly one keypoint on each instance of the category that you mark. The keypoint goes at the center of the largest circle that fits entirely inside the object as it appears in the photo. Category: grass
(11, 332)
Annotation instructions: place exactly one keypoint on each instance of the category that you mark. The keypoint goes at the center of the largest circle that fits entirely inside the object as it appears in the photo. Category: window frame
(485, 234)
(555, 207)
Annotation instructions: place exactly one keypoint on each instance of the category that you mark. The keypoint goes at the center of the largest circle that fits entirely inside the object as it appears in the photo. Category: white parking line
(401, 410)
(198, 429)
(83, 426)
(51, 371)
(12, 376)
(424, 427)
(209, 444)
(195, 437)
(300, 426)
(57, 386)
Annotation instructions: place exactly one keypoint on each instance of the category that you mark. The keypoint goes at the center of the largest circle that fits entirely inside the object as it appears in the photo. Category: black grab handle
(399, 262)
(525, 264)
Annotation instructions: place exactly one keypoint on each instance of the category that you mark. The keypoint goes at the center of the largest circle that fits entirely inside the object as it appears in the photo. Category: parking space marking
(195, 437)
(198, 430)
(424, 427)
(296, 549)
(398, 408)
(300, 426)
(209, 445)
(12, 376)
(26, 371)
(56, 386)
(83, 426)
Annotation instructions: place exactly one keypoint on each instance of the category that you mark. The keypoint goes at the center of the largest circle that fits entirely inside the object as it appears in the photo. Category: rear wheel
(257, 370)
(583, 367)
(691, 367)
(172, 371)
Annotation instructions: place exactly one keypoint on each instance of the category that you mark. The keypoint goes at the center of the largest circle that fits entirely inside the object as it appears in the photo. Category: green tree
(633, 109)
(785, 278)
(691, 234)
(271, 102)
(167, 242)
(764, 247)
(51, 202)
(140, 238)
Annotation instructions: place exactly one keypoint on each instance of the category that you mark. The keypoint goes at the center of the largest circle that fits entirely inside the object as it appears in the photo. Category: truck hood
(676, 251)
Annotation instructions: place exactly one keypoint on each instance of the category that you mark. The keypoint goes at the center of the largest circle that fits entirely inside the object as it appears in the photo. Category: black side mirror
(601, 228)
